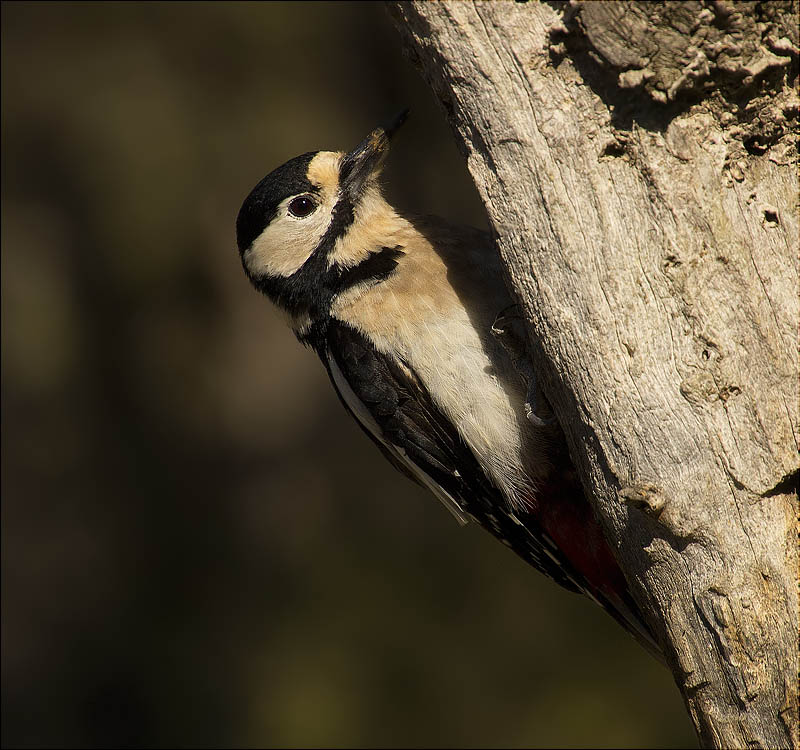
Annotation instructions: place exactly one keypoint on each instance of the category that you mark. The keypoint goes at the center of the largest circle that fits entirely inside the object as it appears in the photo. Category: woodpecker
(400, 309)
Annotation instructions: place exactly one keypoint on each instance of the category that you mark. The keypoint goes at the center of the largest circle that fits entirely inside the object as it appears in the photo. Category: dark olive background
(198, 546)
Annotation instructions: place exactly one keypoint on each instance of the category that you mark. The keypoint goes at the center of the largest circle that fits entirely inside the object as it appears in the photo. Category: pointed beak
(367, 158)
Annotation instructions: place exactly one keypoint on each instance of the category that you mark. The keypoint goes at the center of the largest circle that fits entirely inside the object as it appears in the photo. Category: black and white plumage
(400, 309)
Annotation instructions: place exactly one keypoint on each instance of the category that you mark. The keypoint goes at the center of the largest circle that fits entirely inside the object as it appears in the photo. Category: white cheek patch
(288, 242)
(285, 245)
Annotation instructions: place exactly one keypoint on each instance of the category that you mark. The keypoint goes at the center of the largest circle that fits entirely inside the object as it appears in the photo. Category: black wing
(395, 409)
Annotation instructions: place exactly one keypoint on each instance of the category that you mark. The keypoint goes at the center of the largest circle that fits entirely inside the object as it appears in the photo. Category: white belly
(450, 359)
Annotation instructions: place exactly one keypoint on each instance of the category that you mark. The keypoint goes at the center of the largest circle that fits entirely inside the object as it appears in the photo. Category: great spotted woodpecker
(400, 309)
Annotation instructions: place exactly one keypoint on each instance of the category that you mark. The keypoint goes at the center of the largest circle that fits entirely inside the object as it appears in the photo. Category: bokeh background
(198, 546)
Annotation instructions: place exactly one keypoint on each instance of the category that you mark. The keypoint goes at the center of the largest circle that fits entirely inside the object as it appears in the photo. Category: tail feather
(565, 515)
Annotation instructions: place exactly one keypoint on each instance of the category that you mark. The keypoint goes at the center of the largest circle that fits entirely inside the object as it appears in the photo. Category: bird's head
(308, 222)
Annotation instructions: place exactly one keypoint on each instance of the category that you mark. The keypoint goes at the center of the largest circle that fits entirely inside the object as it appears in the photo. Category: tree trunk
(638, 166)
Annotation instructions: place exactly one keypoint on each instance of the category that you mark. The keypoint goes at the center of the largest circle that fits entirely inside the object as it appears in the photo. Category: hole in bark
(613, 148)
(770, 216)
(753, 145)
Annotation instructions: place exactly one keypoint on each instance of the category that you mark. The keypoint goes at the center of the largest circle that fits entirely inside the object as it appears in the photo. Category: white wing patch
(363, 415)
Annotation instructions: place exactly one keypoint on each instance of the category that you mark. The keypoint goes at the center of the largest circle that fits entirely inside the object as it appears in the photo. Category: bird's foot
(508, 329)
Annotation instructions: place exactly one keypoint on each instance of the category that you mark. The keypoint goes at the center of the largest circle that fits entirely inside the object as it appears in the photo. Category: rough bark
(638, 163)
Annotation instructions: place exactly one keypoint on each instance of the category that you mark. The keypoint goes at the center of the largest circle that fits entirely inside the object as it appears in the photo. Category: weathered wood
(638, 165)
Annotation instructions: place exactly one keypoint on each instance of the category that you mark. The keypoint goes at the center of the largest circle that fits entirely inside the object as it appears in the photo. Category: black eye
(302, 206)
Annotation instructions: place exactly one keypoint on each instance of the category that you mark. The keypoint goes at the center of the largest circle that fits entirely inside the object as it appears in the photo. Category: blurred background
(199, 548)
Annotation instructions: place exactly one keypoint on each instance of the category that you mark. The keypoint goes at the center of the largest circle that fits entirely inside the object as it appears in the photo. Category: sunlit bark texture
(638, 163)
